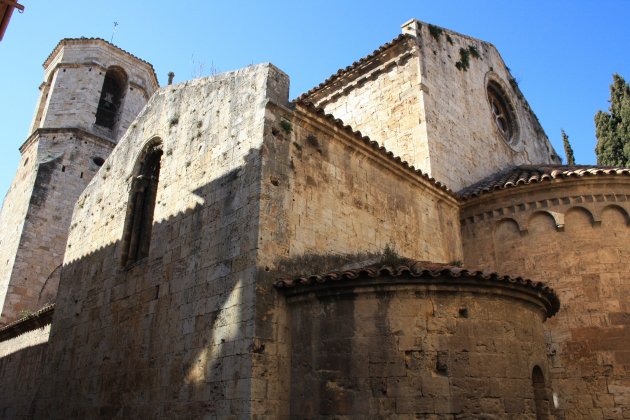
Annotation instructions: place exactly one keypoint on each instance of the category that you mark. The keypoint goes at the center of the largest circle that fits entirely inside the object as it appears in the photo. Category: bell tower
(92, 91)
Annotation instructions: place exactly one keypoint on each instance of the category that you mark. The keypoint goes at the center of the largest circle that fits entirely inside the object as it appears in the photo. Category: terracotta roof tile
(39, 319)
(529, 174)
(309, 107)
(426, 269)
(344, 71)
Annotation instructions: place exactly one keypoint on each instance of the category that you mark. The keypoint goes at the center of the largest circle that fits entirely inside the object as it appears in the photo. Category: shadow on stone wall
(20, 379)
(170, 336)
(381, 346)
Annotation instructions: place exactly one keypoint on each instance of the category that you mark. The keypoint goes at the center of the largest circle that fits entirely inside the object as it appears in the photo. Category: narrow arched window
(540, 394)
(112, 95)
(139, 221)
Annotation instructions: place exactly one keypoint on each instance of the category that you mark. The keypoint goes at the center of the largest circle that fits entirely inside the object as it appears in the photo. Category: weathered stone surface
(22, 360)
(73, 80)
(574, 235)
(347, 357)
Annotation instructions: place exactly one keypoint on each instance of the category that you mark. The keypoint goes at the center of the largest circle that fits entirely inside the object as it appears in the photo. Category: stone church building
(212, 250)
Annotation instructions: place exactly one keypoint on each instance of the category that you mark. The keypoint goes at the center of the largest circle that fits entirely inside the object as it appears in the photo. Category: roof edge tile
(419, 269)
(516, 176)
(31, 322)
(310, 107)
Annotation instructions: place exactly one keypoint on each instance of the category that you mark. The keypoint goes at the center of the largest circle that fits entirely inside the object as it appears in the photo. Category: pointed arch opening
(112, 96)
(141, 207)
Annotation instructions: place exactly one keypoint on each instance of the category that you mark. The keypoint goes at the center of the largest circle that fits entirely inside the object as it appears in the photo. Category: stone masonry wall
(65, 165)
(13, 216)
(327, 199)
(171, 336)
(21, 363)
(410, 350)
(573, 235)
(346, 197)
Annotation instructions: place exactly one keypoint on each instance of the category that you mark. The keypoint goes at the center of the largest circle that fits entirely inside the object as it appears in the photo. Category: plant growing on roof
(391, 257)
(435, 31)
(464, 59)
(473, 51)
(286, 126)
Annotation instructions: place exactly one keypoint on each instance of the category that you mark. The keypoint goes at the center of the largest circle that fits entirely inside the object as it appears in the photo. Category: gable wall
(464, 142)
(411, 98)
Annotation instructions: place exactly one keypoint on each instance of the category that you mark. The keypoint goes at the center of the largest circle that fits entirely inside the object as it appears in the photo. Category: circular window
(98, 161)
(502, 113)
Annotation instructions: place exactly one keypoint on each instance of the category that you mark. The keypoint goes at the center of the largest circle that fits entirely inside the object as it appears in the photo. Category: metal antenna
(113, 31)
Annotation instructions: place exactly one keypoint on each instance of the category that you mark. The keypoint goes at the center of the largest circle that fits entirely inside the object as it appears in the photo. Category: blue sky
(562, 53)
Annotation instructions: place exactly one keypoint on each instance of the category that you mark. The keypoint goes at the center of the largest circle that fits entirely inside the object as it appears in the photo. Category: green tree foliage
(613, 129)
(568, 150)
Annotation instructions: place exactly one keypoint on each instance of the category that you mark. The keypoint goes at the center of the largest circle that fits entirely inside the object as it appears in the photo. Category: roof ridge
(452, 31)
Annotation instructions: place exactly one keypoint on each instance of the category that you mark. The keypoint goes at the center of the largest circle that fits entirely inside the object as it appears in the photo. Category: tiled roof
(309, 107)
(344, 71)
(83, 39)
(529, 174)
(419, 269)
(28, 323)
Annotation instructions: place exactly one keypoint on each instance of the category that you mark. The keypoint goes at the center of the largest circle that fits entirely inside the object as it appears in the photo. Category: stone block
(422, 405)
